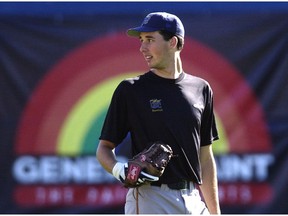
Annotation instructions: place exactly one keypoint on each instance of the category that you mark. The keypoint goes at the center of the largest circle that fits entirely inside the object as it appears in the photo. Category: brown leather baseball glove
(148, 165)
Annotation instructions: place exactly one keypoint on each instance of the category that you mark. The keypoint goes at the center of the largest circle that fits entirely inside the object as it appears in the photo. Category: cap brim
(135, 32)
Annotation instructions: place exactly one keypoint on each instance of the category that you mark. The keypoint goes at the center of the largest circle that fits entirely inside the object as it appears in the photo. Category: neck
(172, 72)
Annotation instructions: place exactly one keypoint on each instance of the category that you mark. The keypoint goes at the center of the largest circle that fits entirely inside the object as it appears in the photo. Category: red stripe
(245, 194)
(235, 102)
(70, 195)
(66, 83)
(102, 58)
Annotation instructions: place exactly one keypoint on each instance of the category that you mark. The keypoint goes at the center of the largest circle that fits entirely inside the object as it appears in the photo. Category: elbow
(104, 148)
(97, 153)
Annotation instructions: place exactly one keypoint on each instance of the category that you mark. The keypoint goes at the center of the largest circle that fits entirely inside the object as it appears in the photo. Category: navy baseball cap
(159, 21)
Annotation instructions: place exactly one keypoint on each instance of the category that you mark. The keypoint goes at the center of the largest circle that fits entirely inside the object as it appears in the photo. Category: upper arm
(206, 153)
(106, 144)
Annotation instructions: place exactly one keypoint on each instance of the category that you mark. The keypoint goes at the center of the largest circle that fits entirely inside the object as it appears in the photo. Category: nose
(143, 47)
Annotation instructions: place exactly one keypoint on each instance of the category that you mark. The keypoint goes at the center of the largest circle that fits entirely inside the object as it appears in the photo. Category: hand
(120, 172)
(143, 177)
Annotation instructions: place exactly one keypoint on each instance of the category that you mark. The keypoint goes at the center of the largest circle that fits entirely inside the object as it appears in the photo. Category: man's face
(155, 50)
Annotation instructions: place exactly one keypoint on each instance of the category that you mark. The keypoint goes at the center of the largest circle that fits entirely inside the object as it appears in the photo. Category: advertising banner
(58, 71)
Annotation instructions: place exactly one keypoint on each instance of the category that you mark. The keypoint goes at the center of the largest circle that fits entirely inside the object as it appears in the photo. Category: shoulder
(133, 81)
(128, 85)
(198, 83)
(196, 80)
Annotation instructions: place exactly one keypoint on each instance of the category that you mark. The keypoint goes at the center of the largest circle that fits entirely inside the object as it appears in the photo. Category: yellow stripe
(220, 146)
(80, 118)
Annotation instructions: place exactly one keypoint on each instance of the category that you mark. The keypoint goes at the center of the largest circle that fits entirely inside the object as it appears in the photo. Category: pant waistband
(178, 185)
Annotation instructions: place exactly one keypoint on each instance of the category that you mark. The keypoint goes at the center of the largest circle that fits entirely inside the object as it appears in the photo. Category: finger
(148, 177)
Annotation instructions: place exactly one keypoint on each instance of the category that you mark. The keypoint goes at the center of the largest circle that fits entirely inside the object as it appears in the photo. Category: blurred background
(61, 61)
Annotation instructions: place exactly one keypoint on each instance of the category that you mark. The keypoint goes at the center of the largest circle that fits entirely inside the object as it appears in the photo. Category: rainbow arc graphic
(65, 113)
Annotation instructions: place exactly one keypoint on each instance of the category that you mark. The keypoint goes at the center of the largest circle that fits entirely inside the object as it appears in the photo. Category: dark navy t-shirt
(178, 112)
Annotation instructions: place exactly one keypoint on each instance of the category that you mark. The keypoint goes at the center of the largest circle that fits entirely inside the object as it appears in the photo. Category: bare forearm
(209, 188)
(106, 156)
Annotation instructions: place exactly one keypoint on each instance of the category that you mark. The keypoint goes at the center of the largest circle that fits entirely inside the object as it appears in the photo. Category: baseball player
(169, 105)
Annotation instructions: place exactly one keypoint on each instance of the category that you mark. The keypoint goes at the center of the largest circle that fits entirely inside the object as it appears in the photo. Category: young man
(174, 107)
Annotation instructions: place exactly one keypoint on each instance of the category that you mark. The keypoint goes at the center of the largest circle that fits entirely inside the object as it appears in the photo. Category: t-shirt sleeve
(115, 126)
(209, 131)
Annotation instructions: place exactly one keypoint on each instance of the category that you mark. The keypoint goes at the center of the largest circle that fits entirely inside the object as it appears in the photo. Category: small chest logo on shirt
(156, 105)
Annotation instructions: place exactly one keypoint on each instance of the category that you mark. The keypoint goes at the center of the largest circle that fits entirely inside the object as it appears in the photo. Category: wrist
(118, 170)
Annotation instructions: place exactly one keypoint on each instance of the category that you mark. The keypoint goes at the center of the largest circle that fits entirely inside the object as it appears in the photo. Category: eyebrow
(147, 37)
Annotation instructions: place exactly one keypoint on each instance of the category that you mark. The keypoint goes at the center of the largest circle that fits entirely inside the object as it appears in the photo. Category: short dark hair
(168, 35)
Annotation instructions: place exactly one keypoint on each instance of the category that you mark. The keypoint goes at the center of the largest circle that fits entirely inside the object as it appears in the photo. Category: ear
(174, 42)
